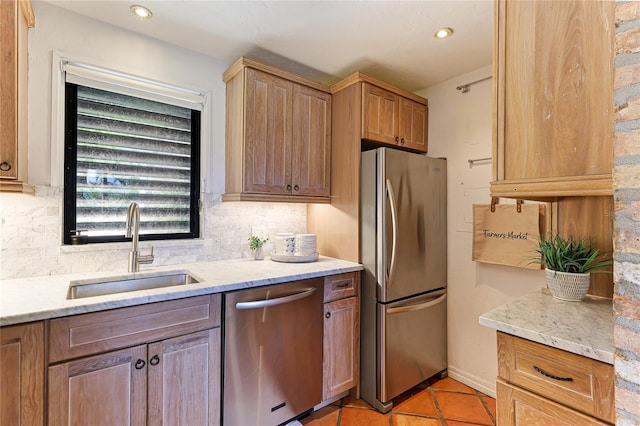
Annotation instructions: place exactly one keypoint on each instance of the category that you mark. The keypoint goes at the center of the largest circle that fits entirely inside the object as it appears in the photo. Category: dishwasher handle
(257, 304)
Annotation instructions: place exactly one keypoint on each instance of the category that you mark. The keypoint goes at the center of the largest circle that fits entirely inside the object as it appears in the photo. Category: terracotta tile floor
(439, 402)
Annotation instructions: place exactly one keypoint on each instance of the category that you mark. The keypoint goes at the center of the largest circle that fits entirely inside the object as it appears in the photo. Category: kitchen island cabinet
(278, 135)
(16, 17)
(555, 360)
(22, 374)
(553, 114)
(537, 380)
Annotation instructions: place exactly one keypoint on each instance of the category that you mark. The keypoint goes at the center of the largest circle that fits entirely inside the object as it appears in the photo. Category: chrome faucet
(132, 231)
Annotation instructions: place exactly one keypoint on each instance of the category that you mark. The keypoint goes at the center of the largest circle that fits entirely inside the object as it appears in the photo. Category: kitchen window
(122, 148)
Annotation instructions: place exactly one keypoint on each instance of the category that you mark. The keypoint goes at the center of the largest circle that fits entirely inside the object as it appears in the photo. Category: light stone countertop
(584, 328)
(36, 298)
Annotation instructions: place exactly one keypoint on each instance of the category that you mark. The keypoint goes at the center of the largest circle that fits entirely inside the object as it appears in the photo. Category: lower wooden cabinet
(341, 342)
(22, 374)
(184, 380)
(151, 364)
(518, 407)
(550, 385)
(109, 388)
(173, 382)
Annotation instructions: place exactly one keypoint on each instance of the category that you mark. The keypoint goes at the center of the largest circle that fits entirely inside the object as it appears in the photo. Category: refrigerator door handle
(394, 227)
(418, 307)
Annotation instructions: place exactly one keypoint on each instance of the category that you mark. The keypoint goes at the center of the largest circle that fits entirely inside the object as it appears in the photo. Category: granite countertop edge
(583, 328)
(38, 298)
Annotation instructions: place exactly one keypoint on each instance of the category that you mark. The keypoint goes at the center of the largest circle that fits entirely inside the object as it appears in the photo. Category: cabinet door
(9, 89)
(380, 115)
(554, 112)
(103, 389)
(268, 117)
(413, 125)
(311, 143)
(22, 374)
(341, 347)
(184, 380)
(517, 407)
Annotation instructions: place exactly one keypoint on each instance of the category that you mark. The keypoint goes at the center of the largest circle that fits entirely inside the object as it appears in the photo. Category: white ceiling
(322, 40)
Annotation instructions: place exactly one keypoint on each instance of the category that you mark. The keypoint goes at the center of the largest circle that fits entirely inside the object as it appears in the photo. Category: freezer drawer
(412, 342)
(272, 353)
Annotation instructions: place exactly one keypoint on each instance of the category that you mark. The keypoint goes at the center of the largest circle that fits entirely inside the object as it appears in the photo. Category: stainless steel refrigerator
(403, 246)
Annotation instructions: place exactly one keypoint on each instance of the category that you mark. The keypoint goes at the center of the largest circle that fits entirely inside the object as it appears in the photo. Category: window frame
(70, 175)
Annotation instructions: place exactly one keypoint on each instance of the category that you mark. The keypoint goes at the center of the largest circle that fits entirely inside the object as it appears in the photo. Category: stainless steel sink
(132, 282)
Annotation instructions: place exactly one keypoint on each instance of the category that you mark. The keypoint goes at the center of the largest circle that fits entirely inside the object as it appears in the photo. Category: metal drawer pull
(155, 360)
(5, 167)
(140, 364)
(343, 285)
(551, 376)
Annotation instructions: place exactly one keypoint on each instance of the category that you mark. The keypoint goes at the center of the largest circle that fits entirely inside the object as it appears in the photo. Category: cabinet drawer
(341, 285)
(517, 407)
(573, 380)
(86, 334)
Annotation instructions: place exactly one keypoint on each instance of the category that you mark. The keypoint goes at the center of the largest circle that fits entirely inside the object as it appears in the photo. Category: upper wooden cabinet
(366, 113)
(16, 17)
(278, 135)
(392, 119)
(553, 86)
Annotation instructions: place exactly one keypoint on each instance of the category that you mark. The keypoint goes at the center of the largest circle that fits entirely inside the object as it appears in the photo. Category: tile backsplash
(31, 241)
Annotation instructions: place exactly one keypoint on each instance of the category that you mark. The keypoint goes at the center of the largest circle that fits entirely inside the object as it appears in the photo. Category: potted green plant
(568, 265)
(255, 244)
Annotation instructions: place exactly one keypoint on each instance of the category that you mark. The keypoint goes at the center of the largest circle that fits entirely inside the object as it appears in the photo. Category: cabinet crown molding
(359, 77)
(245, 62)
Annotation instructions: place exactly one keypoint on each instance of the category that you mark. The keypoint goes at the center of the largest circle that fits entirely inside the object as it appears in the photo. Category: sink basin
(132, 282)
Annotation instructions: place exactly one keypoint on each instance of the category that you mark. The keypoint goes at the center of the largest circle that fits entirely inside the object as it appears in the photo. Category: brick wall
(626, 300)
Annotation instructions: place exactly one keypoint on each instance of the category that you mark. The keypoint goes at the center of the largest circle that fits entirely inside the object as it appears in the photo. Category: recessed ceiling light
(443, 33)
(141, 11)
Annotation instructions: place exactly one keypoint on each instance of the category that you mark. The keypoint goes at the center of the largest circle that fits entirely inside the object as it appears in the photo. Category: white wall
(460, 130)
(31, 226)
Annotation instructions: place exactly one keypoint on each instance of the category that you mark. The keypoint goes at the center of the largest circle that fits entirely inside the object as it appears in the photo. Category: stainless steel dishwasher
(272, 353)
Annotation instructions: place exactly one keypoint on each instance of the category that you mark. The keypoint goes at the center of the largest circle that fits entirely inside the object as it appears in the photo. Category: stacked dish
(295, 248)
(305, 244)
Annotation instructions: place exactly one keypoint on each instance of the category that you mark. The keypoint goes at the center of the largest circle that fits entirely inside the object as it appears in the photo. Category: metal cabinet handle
(155, 360)
(327, 315)
(402, 141)
(140, 364)
(5, 167)
(288, 187)
(296, 187)
(273, 302)
(343, 285)
(551, 376)
(397, 139)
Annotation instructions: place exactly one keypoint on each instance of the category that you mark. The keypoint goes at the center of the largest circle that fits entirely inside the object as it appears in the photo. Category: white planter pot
(258, 254)
(567, 286)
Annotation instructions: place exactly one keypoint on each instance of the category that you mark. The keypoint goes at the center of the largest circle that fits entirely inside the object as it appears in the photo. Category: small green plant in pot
(569, 264)
(255, 244)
